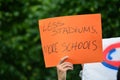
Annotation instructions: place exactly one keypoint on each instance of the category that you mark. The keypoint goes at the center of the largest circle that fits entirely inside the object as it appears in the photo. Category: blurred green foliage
(21, 55)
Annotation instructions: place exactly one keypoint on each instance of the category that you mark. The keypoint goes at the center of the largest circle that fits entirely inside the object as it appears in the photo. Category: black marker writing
(94, 44)
(51, 48)
(51, 26)
(70, 30)
(67, 47)
(60, 28)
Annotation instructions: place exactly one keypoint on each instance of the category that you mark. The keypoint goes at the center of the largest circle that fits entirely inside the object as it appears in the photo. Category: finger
(66, 64)
(68, 68)
(63, 59)
(65, 68)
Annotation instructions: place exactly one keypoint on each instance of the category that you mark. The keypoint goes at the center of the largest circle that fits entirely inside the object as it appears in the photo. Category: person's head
(118, 74)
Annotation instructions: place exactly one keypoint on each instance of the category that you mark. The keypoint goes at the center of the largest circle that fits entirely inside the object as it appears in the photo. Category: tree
(21, 55)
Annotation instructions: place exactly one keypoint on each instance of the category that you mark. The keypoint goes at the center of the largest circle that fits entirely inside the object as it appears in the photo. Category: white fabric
(97, 71)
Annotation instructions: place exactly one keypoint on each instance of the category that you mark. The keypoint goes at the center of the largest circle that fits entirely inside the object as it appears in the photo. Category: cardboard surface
(78, 36)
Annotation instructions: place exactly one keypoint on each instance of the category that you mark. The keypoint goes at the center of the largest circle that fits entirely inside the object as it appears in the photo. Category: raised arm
(62, 68)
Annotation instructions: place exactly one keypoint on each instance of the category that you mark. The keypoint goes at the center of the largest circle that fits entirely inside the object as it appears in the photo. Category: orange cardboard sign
(78, 36)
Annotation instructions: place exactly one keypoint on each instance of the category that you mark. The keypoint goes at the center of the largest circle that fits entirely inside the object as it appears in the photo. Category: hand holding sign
(78, 36)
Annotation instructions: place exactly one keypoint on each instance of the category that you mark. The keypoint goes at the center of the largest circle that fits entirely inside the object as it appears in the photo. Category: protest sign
(78, 36)
(107, 69)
